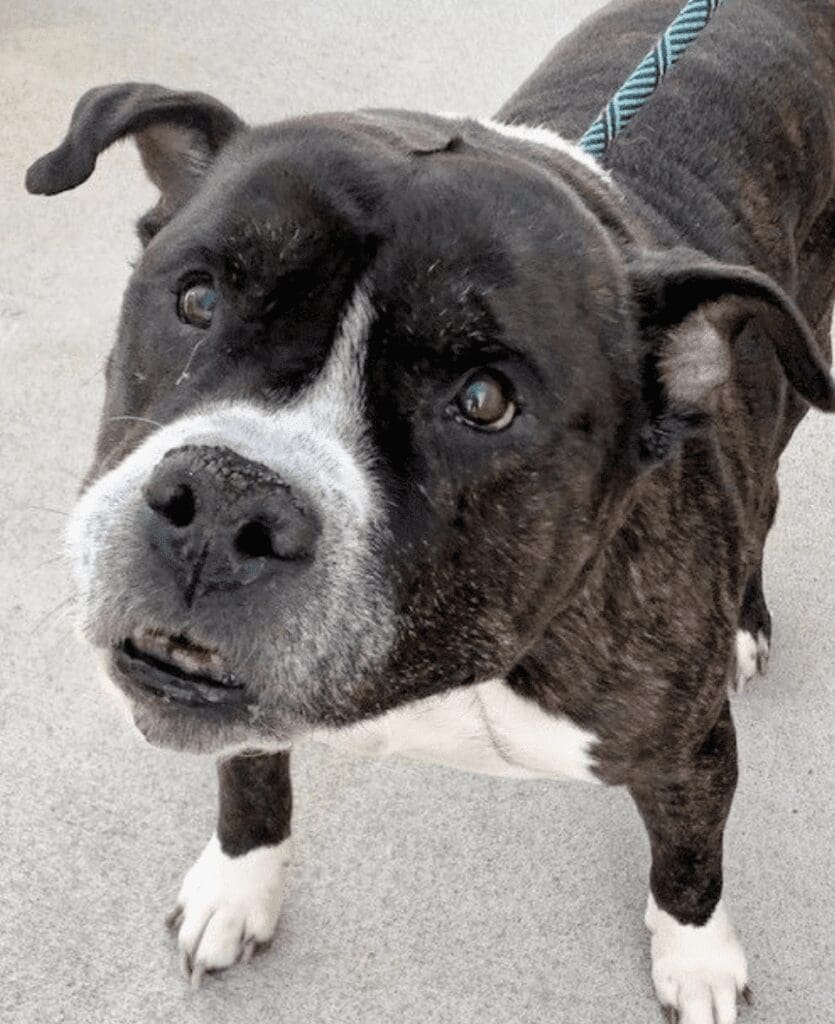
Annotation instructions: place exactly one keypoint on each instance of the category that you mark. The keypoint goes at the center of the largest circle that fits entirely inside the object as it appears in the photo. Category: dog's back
(743, 129)
(734, 155)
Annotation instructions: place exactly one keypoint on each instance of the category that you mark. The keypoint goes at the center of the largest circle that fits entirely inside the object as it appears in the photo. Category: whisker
(184, 375)
(46, 508)
(114, 364)
(138, 419)
(62, 605)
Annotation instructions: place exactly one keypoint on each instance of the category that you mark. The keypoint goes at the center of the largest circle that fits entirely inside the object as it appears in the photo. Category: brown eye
(196, 304)
(484, 402)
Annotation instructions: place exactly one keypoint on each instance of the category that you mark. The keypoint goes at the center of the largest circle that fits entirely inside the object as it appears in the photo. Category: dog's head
(380, 393)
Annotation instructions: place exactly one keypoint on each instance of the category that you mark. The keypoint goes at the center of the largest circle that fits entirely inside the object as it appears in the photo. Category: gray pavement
(417, 894)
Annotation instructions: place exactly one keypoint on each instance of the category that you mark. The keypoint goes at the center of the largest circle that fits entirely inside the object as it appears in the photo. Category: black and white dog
(431, 436)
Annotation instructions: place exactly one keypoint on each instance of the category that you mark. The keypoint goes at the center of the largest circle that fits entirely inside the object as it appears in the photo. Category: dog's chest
(485, 728)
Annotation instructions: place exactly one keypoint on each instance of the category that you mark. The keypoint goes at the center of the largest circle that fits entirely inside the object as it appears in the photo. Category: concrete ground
(418, 895)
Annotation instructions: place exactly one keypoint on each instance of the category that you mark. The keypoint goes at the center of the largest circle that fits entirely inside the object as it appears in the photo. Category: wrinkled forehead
(459, 247)
(480, 250)
(256, 221)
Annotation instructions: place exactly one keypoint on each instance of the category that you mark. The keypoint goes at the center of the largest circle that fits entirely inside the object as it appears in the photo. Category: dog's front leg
(230, 898)
(698, 965)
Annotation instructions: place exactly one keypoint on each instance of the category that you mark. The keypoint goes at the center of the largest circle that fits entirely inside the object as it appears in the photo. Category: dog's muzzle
(215, 522)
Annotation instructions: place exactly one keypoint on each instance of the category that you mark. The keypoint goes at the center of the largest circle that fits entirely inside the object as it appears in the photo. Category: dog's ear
(690, 310)
(178, 135)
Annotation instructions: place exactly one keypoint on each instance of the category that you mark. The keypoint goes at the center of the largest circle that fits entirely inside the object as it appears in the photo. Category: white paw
(698, 972)
(751, 657)
(228, 906)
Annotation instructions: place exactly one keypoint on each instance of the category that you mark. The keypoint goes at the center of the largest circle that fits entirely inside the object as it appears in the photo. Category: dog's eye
(196, 304)
(485, 402)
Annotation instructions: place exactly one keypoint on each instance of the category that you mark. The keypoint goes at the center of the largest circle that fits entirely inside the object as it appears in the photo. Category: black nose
(220, 521)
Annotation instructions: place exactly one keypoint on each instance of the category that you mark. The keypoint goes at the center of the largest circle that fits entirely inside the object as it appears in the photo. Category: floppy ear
(690, 311)
(178, 134)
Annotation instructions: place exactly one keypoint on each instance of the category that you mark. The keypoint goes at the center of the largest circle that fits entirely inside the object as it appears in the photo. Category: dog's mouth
(175, 668)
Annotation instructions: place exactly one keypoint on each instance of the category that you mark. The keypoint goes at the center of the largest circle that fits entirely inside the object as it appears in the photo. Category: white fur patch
(696, 359)
(316, 441)
(542, 136)
(746, 658)
(320, 432)
(700, 971)
(763, 653)
(751, 657)
(486, 728)
(228, 906)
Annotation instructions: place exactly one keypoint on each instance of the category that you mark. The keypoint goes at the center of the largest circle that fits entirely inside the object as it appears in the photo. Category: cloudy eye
(485, 402)
(196, 304)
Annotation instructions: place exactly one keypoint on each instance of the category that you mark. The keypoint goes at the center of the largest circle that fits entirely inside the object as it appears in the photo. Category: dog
(435, 437)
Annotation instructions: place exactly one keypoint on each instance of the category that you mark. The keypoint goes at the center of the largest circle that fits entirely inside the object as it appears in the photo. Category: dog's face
(371, 412)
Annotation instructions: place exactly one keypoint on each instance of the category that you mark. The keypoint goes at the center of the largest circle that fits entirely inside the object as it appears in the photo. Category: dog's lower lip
(170, 681)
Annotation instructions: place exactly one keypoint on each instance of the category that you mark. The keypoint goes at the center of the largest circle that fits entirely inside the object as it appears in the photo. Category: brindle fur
(641, 657)
(626, 534)
(255, 801)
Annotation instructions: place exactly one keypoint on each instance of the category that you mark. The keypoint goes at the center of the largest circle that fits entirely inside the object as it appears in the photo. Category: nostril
(254, 540)
(220, 522)
(176, 505)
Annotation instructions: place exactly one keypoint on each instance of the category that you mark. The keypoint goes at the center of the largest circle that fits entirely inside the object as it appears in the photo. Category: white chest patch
(485, 728)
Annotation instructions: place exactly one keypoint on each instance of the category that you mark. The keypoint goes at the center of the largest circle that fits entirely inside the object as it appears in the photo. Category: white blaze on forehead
(316, 442)
(539, 135)
(337, 391)
(542, 136)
